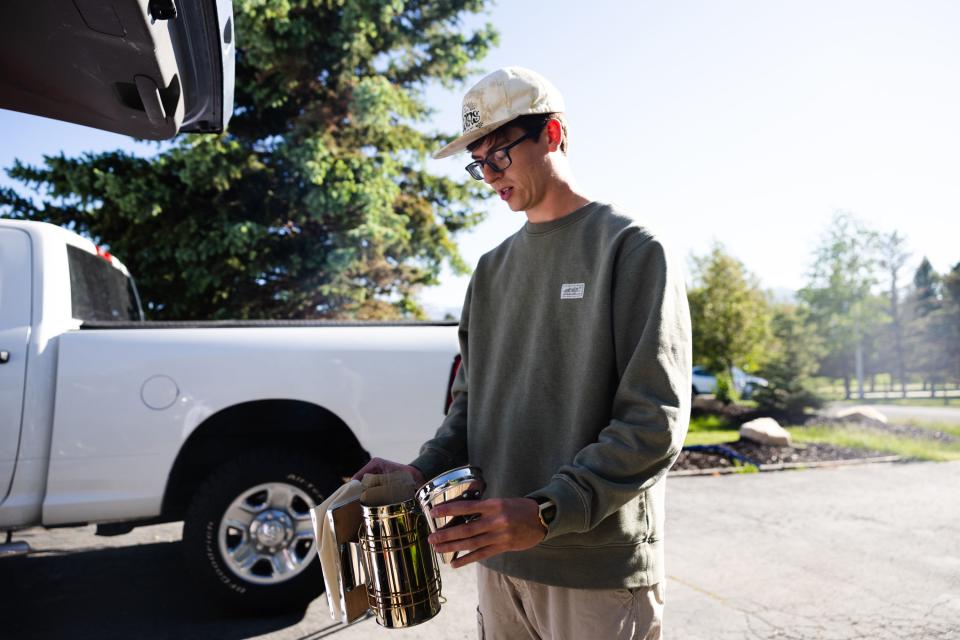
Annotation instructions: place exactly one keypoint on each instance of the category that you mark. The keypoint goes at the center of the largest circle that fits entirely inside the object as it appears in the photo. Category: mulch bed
(765, 454)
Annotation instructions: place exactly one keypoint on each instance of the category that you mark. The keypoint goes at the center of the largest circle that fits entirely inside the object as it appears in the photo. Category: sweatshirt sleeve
(651, 406)
(448, 447)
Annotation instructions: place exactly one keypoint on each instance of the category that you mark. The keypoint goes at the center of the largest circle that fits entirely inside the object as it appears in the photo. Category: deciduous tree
(730, 314)
(837, 294)
(893, 255)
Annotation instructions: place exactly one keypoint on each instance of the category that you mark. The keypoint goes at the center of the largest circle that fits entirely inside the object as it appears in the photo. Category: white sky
(747, 122)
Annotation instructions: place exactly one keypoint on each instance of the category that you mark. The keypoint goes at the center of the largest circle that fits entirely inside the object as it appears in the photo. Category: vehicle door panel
(16, 265)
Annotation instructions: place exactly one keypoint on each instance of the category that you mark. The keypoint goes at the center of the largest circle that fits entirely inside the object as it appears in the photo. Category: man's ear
(554, 135)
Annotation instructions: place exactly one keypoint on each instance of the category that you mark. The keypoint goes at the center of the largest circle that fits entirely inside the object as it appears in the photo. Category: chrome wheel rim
(266, 536)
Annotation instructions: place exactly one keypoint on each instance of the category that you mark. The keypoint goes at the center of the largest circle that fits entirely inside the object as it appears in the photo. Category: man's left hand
(504, 524)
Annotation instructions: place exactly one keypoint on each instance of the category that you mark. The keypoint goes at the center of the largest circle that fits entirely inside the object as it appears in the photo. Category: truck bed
(236, 324)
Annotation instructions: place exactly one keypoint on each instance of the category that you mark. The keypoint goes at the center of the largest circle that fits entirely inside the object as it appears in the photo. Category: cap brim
(463, 141)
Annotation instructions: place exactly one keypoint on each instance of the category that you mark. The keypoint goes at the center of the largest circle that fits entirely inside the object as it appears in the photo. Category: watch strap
(546, 511)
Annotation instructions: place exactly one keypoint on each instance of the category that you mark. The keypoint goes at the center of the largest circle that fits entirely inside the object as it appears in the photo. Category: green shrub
(793, 361)
(787, 396)
(725, 391)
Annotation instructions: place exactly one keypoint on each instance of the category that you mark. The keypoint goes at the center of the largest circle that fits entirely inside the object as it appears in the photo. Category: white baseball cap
(500, 97)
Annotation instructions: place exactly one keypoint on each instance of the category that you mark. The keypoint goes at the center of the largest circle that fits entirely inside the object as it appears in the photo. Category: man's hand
(379, 465)
(504, 524)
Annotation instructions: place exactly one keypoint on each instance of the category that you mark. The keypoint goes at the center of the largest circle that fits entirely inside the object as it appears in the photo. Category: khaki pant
(513, 609)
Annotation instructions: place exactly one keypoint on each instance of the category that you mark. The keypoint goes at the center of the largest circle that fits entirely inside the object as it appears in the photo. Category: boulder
(765, 431)
(860, 412)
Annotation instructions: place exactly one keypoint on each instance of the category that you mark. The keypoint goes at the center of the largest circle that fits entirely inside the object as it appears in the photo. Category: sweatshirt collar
(540, 228)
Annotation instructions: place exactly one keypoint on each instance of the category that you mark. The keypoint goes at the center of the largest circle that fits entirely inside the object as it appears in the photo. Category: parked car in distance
(705, 381)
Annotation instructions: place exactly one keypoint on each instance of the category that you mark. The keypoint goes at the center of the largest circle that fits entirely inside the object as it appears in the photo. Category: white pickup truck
(237, 428)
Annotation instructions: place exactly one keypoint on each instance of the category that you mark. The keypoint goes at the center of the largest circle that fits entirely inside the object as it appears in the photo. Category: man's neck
(558, 202)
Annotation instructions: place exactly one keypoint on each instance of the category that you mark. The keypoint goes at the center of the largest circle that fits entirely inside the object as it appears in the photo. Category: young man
(573, 394)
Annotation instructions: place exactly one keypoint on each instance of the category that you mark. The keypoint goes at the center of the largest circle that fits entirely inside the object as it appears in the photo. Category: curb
(784, 466)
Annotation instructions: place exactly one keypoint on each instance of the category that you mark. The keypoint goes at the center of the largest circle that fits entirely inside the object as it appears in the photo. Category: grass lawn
(711, 437)
(943, 427)
(710, 430)
(862, 438)
(906, 402)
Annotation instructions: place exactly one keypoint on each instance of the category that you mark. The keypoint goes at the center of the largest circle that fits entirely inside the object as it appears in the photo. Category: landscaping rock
(765, 431)
(860, 412)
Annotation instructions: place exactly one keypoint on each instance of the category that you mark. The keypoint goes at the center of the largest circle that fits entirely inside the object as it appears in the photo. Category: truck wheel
(248, 534)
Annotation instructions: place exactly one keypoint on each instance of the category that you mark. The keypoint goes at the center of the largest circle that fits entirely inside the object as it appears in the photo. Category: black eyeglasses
(498, 159)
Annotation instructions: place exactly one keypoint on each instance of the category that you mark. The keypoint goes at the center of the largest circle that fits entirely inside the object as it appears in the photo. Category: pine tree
(926, 289)
(934, 343)
(793, 359)
(317, 201)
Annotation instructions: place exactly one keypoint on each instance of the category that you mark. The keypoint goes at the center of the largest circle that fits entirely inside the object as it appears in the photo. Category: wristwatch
(547, 510)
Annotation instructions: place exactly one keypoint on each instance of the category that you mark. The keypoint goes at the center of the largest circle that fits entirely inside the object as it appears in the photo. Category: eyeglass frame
(478, 164)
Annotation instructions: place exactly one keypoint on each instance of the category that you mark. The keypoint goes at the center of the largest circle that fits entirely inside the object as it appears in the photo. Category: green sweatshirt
(575, 386)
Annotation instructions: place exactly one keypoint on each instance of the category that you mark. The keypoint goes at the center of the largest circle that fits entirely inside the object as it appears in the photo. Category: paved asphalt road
(867, 551)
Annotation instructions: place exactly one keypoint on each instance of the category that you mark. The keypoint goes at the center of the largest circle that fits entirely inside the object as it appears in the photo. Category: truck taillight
(453, 374)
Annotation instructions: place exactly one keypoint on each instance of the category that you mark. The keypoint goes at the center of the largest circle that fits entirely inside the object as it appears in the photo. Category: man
(573, 394)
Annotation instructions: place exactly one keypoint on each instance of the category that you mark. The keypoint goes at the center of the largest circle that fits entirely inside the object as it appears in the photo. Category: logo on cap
(471, 117)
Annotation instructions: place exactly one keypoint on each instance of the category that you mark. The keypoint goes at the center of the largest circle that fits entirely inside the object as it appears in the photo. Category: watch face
(548, 511)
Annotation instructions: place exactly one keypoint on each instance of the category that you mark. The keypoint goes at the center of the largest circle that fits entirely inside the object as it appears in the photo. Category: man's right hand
(379, 465)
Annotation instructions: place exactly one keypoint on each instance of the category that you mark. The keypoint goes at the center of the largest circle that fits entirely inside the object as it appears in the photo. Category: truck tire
(247, 534)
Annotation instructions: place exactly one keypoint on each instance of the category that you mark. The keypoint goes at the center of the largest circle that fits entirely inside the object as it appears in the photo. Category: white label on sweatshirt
(570, 291)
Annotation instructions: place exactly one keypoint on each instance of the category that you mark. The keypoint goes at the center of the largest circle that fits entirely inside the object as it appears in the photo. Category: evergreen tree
(316, 202)
(934, 340)
(793, 359)
(926, 289)
(934, 321)
(951, 284)
(951, 287)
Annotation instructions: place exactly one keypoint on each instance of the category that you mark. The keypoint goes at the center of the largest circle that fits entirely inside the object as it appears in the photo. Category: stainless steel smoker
(462, 483)
(384, 562)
